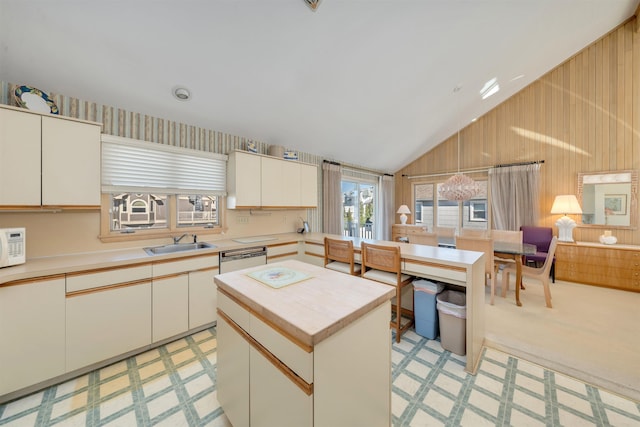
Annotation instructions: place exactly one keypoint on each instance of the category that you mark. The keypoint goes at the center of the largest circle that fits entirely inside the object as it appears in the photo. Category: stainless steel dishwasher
(238, 259)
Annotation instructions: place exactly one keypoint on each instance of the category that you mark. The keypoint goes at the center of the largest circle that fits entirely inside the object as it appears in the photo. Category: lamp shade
(566, 204)
(563, 205)
(404, 209)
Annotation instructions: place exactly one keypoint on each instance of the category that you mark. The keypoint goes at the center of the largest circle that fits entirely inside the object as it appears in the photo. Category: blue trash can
(424, 307)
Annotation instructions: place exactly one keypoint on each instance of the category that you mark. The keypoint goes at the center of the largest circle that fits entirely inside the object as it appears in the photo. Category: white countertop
(52, 265)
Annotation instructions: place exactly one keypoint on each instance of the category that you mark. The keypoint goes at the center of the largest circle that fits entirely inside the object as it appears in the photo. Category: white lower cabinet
(265, 379)
(31, 333)
(275, 399)
(202, 297)
(104, 323)
(233, 380)
(170, 310)
(196, 297)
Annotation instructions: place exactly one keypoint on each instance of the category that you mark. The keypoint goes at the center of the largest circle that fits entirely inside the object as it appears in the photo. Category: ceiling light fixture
(459, 187)
(313, 4)
(490, 88)
(181, 94)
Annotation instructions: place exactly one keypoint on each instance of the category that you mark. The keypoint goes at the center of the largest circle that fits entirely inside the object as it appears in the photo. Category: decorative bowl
(608, 240)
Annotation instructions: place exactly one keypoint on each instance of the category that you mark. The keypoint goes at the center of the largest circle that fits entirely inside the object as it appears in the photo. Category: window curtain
(385, 212)
(515, 196)
(331, 198)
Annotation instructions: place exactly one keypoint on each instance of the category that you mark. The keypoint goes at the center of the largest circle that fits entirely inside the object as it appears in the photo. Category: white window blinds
(129, 165)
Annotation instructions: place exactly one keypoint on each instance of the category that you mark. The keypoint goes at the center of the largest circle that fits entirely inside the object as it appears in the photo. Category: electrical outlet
(242, 220)
(284, 219)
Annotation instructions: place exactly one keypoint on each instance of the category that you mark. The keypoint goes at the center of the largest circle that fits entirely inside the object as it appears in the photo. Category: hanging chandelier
(459, 187)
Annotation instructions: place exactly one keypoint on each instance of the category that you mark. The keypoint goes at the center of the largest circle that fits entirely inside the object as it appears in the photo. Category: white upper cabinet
(48, 161)
(262, 181)
(19, 158)
(280, 183)
(70, 163)
(243, 180)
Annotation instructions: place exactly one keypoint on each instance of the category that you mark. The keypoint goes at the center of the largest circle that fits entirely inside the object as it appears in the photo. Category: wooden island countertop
(311, 310)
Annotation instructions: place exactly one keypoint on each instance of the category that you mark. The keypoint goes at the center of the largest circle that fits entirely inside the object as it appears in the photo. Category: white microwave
(12, 246)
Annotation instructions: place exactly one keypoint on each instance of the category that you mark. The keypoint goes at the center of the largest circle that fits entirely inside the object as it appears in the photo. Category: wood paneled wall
(583, 116)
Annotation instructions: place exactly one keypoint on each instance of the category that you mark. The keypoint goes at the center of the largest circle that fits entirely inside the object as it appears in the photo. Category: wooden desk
(462, 268)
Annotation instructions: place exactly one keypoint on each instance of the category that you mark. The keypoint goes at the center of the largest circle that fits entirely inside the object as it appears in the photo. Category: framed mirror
(609, 199)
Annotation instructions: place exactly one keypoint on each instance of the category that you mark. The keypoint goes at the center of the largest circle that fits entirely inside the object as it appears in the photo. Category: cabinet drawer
(442, 272)
(82, 281)
(314, 248)
(277, 252)
(234, 311)
(297, 359)
(416, 230)
(163, 268)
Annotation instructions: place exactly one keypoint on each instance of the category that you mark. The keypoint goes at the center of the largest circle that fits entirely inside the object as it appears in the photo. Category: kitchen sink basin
(177, 247)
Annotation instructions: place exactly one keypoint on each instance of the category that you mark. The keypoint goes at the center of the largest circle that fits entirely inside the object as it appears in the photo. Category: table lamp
(564, 205)
(403, 210)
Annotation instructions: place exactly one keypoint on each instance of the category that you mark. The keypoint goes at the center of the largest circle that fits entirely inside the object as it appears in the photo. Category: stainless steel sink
(177, 247)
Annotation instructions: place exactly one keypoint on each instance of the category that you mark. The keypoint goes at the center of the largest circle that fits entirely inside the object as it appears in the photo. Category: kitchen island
(314, 351)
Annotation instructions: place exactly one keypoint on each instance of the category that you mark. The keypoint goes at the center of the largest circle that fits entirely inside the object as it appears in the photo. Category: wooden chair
(445, 231)
(541, 274)
(468, 232)
(505, 236)
(338, 256)
(382, 264)
(425, 238)
(541, 237)
(485, 245)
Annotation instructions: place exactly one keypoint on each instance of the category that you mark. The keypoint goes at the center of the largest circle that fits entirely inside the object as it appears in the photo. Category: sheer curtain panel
(331, 198)
(515, 196)
(386, 212)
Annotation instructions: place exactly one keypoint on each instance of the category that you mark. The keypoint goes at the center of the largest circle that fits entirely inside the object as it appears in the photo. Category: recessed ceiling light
(490, 88)
(181, 93)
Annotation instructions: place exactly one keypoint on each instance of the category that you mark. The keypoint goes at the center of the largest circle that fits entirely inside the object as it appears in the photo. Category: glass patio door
(358, 209)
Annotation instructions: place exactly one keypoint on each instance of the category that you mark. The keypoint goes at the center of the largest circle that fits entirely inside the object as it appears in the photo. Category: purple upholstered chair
(541, 237)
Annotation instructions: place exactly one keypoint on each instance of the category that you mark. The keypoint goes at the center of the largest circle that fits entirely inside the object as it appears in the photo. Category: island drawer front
(164, 268)
(444, 273)
(107, 277)
(234, 311)
(297, 359)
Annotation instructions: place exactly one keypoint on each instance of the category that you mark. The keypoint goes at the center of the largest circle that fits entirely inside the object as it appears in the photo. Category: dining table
(515, 251)
(505, 250)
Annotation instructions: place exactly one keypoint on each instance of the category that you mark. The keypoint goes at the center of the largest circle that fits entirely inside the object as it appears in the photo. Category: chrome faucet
(177, 239)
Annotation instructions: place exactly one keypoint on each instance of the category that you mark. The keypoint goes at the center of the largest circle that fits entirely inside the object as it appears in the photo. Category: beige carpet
(591, 333)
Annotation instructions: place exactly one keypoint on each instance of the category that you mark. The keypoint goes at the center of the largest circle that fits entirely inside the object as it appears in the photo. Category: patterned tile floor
(174, 385)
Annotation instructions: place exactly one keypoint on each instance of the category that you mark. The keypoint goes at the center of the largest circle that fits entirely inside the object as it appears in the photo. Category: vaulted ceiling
(367, 82)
